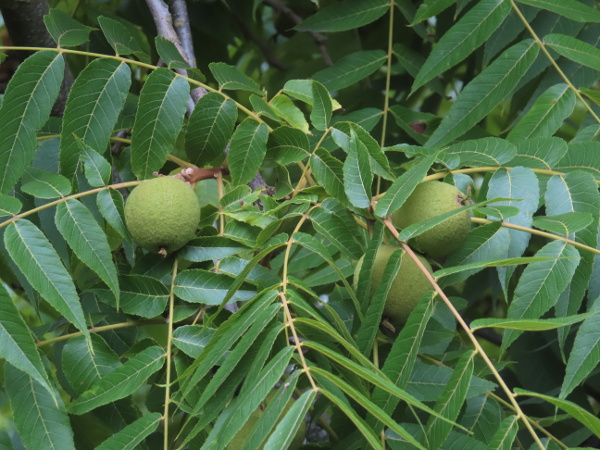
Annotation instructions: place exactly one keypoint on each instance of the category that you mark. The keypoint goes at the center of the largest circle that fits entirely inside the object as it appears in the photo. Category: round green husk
(430, 199)
(407, 288)
(162, 214)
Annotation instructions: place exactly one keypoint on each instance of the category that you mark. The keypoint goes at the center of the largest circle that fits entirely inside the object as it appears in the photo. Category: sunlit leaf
(247, 150)
(95, 101)
(85, 237)
(209, 129)
(163, 102)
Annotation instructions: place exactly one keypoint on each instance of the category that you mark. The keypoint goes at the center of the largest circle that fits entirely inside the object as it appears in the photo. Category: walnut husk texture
(430, 199)
(409, 286)
(162, 214)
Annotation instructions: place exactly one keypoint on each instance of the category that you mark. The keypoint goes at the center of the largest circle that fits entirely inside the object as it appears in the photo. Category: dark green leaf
(169, 54)
(485, 92)
(95, 101)
(329, 172)
(133, 434)
(470, 32)
(9, 206)
(247, 150)
(322, 108)
(121, 382)
(351, 69)
(66, 31)
(40, 418)
(163, 102)
(119, 37)
(203, 286)
(358, 177)
(16, 343)
(573, 10)
(541, 284)
(26, 105)
(546, 115)
(143, 296)
(83, 368)
(403, 186)
(85, 237)
(34, 255)
(231, 78)
(345, 15)
(209, 129)
(97, 169)
(574, 49)
(42, 184)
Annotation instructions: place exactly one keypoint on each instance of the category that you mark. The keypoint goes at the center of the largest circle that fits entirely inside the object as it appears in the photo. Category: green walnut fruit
(407, 288)
(430, 199)
(240, 439)
(162, 214)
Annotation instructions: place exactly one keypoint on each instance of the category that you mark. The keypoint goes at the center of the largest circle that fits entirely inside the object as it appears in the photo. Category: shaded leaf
(574, 10)
(450, 402)
(329, 173)
(465, 36)
(587, 419)
(16, 343)
(351, 69)
(345, 15)
(288, 145)
(40, 418)
(119, 37)
(121, 382)
(477, 99)
(169, 54)
(66, 31)
(83, 368)
(133, 434)
(530, 324)
(231, 78)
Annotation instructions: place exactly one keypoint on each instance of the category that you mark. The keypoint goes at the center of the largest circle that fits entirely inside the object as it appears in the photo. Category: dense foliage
(342, 108)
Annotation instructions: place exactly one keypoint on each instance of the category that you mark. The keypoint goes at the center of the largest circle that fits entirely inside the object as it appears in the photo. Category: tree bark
(24, 20)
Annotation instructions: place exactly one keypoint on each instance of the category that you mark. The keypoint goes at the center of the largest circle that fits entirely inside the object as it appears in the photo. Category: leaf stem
(115, 326)
(68, 197)
(169, 355)
(539, 233)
